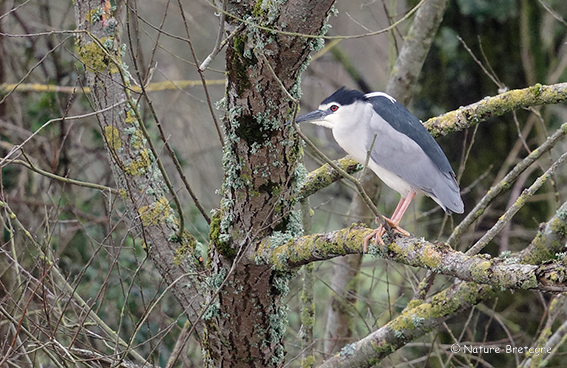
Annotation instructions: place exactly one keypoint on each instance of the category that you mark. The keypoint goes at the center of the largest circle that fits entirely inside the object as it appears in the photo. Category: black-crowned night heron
(404, 155)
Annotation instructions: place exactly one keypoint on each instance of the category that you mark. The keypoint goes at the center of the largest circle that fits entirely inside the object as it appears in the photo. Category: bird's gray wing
(402, 120)
(400, 154)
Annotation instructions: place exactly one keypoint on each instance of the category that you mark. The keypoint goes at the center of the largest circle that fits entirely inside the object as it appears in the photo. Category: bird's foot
(377, 234)
(380, 231)
(396, 227)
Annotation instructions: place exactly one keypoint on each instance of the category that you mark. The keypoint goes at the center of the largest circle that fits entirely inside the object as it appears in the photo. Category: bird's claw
(377, 234)
(380, 231)
(396, 227)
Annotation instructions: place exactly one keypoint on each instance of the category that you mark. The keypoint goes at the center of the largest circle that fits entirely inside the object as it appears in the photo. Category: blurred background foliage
(85, 232)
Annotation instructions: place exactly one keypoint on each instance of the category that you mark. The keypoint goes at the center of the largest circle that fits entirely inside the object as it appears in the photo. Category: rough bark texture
(485, 109)
(260, 177)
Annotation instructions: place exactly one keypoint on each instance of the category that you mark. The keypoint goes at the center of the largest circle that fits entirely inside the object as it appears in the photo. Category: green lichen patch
(186, 247)
(348, 350)
(139, 165)
(94, 15)
(559, 226)
(530, 283)
(414, 303)
(536, 89)
(112, 136)
(479, 271)
(130, 117)
(156, 213)
(431, 257)
(381, 347)
(137, 140)
(223, 247)
(538, 251)
(240, 64)
(308, 362)
(97, 59)
(308, 315)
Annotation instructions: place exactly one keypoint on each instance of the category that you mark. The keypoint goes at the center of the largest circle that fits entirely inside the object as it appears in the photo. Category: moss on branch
(499, 272)
(326, 175)
(490, 107)
(417, 319)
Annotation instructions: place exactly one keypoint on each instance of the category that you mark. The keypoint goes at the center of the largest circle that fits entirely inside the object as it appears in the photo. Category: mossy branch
(549, 241)
(413, 322)
(327, 175)
(521, 270)
(507, 272)
(490, 107)
(62, 179)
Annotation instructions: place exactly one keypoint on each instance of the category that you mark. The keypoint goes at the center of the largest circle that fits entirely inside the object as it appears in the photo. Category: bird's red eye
(334, 108)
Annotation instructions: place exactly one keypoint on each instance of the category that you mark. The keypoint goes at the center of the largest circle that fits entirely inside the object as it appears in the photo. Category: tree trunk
(261, 176)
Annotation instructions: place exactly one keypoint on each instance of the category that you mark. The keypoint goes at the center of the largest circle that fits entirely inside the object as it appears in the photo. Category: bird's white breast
(356, 139)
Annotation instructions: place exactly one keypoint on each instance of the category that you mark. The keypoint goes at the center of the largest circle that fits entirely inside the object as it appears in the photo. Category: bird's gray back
(402, 120)
(404, 147)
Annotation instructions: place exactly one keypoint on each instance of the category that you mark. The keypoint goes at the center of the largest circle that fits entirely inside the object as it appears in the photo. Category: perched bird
(404, 155)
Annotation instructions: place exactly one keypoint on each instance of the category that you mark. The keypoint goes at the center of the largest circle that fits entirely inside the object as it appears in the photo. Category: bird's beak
(310, 116)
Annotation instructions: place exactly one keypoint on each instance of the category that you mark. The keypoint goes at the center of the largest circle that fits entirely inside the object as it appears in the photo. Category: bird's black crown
(344, 97)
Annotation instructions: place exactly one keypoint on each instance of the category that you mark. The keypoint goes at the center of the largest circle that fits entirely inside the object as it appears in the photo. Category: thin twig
(203, 80)
(367, 160)
(168, 147)
(504, 219)
(79, 183)
(76, 117)
(29, 72)
(67, 287)
(204, 66)
(553, 13)
(285, 33)
(346, 175)
(479, 209)
(479, 63)
(280, 83)
(218, 43)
